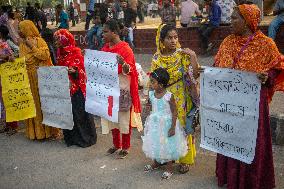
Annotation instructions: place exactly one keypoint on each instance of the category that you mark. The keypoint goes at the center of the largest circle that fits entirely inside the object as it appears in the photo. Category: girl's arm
(174, 116)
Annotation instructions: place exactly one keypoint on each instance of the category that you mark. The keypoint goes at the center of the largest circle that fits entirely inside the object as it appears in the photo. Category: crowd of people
(207, 15)
(169, 134)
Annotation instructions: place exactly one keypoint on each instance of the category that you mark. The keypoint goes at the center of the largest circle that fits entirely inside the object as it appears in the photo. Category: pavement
(150, 23)
(48, 164)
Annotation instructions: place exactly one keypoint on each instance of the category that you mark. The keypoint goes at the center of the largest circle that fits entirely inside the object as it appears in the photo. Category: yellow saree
(36, 56)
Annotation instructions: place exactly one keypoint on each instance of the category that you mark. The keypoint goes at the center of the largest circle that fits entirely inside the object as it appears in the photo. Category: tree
(23, 3)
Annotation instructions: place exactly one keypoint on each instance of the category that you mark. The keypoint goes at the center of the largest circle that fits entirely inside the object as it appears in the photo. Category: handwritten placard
(53, 84)
(229, 112)
(103, 91)
(16, 91)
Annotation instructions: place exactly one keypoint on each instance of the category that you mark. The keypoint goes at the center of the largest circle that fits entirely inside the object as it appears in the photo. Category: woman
(13, 25)
(248, 49)
(8, 50)
(7, 18)
(83, 133)
(128, 118)
(177, 62)
(36, 54)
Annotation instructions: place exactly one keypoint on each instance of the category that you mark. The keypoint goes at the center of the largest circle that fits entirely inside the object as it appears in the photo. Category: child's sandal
(167, 175)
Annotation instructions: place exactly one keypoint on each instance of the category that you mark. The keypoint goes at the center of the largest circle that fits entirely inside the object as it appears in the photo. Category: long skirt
(259, 174)
(83, 133)
(35, 130)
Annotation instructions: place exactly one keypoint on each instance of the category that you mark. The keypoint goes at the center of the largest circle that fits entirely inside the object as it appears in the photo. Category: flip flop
(149, 168)
(112, 150)
(122, 154)
(167, 175)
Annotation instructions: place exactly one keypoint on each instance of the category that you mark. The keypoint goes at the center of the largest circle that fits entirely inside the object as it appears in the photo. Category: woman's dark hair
(113, 26)
(161, 75)
(11, 14)
(47, 35)
(4, 32)
(59, 6)
(165, 30)
(121, 25)
(4, 8)
(248, 2)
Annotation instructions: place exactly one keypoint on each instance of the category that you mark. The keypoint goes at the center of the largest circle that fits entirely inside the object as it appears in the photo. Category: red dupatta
(122, 48)
(71, 56)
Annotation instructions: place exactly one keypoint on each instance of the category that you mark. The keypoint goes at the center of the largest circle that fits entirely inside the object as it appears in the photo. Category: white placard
(229, 112)
(53, 84)
(103, 91)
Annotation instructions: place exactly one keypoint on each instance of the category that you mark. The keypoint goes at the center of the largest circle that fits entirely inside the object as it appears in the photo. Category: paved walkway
(151, 23)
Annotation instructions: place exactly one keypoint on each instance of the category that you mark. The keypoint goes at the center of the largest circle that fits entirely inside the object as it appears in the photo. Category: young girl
(164, 141)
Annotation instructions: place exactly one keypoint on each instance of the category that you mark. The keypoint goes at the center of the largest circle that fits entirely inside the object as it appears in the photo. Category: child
(163, 141)
(130, 37)
(94, 35)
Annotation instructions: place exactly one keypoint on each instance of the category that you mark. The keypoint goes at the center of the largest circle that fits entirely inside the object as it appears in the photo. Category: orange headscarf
(251, 14)
(260, 55)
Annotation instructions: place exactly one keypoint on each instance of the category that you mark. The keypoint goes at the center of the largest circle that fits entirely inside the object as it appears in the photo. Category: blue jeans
(274, 26)
(90, 16)
(90, 35)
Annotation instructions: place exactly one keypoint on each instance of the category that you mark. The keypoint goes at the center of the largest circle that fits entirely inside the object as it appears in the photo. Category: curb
(277, 128)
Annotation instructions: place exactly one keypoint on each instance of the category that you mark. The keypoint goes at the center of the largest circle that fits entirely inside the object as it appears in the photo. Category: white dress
(156, 143)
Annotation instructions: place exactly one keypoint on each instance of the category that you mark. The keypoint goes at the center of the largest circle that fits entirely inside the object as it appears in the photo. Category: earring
(162, 46)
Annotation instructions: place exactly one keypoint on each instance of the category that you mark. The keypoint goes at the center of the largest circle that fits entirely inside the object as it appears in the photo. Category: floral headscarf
(65, 37)
(70, 56)
(251, 14)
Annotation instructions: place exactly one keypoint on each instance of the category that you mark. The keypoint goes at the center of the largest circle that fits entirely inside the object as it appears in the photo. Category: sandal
(11, 132)
(122, 154)
(183, 168)
(167, 175)
(4, 129)
(149, 168)
(112, 150)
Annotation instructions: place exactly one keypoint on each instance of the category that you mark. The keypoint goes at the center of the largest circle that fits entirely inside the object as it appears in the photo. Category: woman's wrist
(124, 72)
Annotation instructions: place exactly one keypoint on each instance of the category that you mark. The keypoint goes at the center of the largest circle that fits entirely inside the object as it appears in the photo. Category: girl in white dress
(163, 141)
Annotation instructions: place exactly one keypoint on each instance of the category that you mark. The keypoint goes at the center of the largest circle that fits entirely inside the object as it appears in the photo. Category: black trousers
(84, 132)
(90, 16)
(205, 32)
